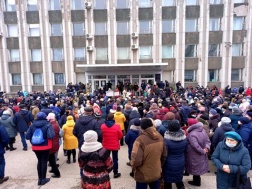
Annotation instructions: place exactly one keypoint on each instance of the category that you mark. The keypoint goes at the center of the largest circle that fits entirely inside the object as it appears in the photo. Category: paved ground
(21, 167)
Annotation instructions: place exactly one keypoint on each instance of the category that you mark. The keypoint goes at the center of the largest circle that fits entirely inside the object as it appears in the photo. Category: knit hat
(51, 116)
(236, 110)
(213, 112)
(90, 142)
(41, 115)
(174, 126)
(231, 105)
(169, 116)
(114, 107)
(146, 123)
(137, 122)
(88, 110)
(225, 120)
(158, 122)
(204, 116)
(234, 135)
(244, 120)
(191, 121)
(6, 112)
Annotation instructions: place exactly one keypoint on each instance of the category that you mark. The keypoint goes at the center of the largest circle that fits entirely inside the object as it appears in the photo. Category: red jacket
(111, 134)
(56, 138)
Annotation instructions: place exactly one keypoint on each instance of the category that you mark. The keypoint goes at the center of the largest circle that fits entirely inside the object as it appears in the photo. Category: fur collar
(175, 136)
(135, 128)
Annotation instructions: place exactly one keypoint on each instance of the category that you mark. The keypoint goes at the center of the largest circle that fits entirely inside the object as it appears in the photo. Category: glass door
(99, 84)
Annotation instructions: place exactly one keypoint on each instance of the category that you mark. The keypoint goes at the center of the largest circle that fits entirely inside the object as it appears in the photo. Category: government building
(46, 44)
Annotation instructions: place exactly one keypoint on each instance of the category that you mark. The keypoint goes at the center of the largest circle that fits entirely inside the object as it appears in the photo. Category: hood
(205, 122)
(84, 120)
(152, 133)
(5, 116)
(217, 116)
(175, 136)
(23, 112)
(40, 123)
(166, 123)
(136, 129)
(134, 114)
(70, 123)
(227, 127)
(109, 123)
(197, 127)
(238, 147)
(117, 113)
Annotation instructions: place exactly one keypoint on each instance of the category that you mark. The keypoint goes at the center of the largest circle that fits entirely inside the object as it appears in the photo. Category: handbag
(241, 183)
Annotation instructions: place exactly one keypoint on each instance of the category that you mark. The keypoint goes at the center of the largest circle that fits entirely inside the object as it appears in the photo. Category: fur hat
(191, 121)
(225, 120)
(174, 126)
(158, 122)
(41, 115)
(6, 112)
(51, 116)
(146, 123)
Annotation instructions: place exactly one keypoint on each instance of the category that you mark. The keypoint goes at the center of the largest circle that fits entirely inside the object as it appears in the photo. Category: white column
(134, 10)
(157, 34)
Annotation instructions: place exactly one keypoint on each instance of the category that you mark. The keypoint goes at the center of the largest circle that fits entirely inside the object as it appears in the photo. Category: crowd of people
(169, 132)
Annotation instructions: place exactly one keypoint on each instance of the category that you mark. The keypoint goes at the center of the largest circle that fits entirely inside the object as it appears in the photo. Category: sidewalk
(21, 167)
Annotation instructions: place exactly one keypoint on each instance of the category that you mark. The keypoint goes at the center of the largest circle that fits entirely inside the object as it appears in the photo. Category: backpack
(37, 137)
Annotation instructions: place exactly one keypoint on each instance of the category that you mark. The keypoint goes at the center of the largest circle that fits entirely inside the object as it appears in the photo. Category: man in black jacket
(4, 140)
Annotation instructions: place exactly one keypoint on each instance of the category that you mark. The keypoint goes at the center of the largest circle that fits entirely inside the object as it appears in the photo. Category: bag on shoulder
(241, 183)
(37, 137)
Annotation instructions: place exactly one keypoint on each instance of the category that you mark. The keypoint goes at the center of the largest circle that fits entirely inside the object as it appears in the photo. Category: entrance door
(99, 83)
(149, 81)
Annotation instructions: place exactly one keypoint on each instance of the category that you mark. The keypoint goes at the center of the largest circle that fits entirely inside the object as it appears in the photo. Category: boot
(196, 181)
(74, 160)
(68, 161)
(44, 181)
(11, 147)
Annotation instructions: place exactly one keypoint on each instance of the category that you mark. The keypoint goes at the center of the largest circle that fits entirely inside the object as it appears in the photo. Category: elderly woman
(228, 157)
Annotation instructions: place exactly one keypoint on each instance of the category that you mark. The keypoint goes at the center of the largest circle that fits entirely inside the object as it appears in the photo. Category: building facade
(45, 44)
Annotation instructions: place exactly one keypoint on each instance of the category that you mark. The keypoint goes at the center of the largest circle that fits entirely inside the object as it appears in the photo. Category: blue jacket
(4, 139)
(130, 137)
(176, 146)
(184, 112)
(7, 121)
(22, 122)
(234, 120)
(245, 132)
(239, 156)
(164, 127)
(219, 133)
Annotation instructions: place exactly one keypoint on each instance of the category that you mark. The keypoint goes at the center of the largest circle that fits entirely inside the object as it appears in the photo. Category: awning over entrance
(122, 67)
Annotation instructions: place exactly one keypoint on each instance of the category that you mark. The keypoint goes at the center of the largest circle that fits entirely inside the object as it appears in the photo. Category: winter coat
(245, 132)
(120, 118)
(164, 127)
(176, 146)
(56, 139)
(130, 137)
(96, 167)
(184, 112)
(147, 166)
(213, 122)
(223, 155)
(112, 133)
(234, 120)
(134, 114)
(48, 134)
(70, 140)
(7, 122)
(219, 133)
(205, 125)
(83, 124)
(161, 114)
(196, 157)
(154, 112)
(4, 139)
(22, 122)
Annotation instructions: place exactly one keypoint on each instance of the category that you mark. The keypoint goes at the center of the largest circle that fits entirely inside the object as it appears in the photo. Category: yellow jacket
(120, 118)
(70, 141)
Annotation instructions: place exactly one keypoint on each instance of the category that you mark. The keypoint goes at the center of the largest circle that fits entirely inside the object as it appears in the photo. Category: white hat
(225, 120)
(90, 142)
(6, 112)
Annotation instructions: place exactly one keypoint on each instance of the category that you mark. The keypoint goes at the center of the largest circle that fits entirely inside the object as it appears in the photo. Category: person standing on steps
(70, 141)
(4, 140)
(7, 121)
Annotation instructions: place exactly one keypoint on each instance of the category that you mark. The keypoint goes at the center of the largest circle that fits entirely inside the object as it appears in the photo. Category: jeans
(2, 166)
(115, 161)
(52, 162)
(152, 185)
(42, 156)
(22, 135)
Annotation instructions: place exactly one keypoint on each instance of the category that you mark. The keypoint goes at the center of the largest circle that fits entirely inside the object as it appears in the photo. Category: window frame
(195, 23)
(97, 30)
(83, 28)
(99, 8)
(243, 24)
(150, 27)
(217, 50)
(80, 58)
(148, 5)
(8, 6)
(240, 50)
(79, 7)
(167, 57)
(16, 31)
(148, 56)
(50, 5)
(213, 2)
(127, 4)
(52, 30)
(190, 4)
(194, 76)
(53, 53)
(195, 53)
(12, 78)
(40, 75)
(216, 75)
(127, 28)
(31, 27)
(127, 53)
(172, 26)
(240, 73)
(98, 49)
(30, 6)
(218, 24)
(32, 56)
(63, 77)
(173, 3)
(13, 59)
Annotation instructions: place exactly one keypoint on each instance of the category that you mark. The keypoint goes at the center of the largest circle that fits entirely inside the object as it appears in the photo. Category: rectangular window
(214, 50)
(145, 52)
(213, 75)
(36, 55)
(122, 4)
(237, 49)
(16, 79)
(100, 28)
(238, 23)
(191, 25)
(122, 27)
(168, 26)
(12, 30)
(34, 30)
(54, 5)
(14, 55)
(77, 5)
(78, 29)
(236, 74)
(145, 3)
(10, 5)
(189, 76)
(79, 54)
(123, 53)
(100, 4)
(59, 78)
(32, 5)
(190, 50)
(168, 3)
(215, 2)
(191, 2)
(37, 79)
(214, 24)
(101, 54)
(57, 54)
(167, 51)
(239, 1)
(145, 26)
(56, 30)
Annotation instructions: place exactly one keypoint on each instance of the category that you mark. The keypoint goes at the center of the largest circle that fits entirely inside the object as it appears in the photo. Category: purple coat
(196, 158)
